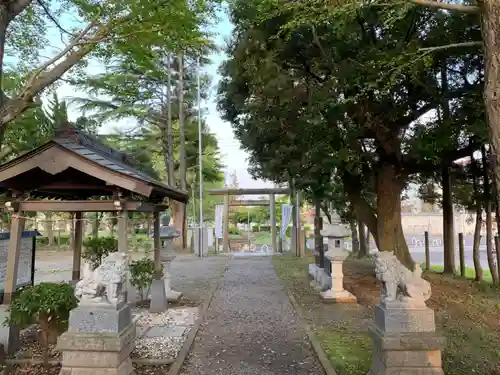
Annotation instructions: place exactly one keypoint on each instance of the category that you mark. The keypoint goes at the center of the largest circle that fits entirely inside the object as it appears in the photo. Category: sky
(232, 156)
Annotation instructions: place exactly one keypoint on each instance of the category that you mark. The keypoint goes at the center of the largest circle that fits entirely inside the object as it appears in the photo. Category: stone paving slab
(159, 331)
(251, 327)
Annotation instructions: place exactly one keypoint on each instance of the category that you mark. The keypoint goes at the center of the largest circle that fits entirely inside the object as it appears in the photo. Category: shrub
(97, 248)
(255, 228)
(234, 230)
(307, 228)
(45, 304)
(141, 230)
(142, 274)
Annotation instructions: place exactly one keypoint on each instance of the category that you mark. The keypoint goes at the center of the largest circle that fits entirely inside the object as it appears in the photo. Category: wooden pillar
(77, 245)
(157, 245)
(226, 223)
(272, 211)
(122, 231)
(13, 251)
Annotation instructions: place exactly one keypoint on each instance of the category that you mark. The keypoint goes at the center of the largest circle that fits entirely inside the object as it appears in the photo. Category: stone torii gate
(227, 192)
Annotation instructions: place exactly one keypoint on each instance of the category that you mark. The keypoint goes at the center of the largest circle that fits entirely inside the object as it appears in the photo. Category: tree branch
(452, 45)
(471, 9)
(53, 19)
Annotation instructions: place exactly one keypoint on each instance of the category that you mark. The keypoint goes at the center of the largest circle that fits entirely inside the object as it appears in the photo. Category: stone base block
(172, 295)
(95, 319)
(331, 296)
(159, 302)
(405, 319)
(126, 368)
(97, 353)
(412, 353)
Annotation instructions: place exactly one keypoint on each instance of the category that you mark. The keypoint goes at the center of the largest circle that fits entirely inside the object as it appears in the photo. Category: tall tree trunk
(318, 238)
(479, 219)
(178, 208)
(487, 205)
(49, 228)
(363, 244)
(72, 232)
(490, 30)
(354, 236)
(95, 226)
(448, 223)
(389, 228)
(169, 135)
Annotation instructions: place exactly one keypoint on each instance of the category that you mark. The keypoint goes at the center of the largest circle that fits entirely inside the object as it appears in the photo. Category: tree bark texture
(389, 229)
(354, 236)
(490, 30)
(487, 206)
(477, 228)
(448, 223)
(363, 244)
(318, 238)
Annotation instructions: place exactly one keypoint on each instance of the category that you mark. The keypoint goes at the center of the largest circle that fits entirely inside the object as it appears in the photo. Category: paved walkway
(251, 328)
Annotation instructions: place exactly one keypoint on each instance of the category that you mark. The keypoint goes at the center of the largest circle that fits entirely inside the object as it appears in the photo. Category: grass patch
(348, 351)
(467, 314)
(470, 273)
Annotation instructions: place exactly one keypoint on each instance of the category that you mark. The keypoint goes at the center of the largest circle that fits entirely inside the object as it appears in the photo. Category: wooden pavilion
(75, 172)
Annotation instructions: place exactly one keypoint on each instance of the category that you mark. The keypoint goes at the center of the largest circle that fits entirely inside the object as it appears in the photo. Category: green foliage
(142, 273)
(45, 304)
(96, 248)
(44, 301)
(234, 230)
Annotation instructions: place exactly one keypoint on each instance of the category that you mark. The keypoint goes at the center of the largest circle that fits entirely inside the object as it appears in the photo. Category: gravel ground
(251, 328)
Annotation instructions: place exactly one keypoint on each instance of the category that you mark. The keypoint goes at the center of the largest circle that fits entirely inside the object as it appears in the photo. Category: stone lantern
(335, 256)
(167, 255)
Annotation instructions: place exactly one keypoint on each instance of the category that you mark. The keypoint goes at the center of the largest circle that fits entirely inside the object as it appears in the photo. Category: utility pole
(200, 156)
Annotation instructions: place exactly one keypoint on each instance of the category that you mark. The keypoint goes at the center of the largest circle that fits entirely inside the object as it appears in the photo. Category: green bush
(45, 304)
(255, 228)
(265, 228)
(307, 228)
(97, 248)
(288, 232)
(234, 230)
(141, 231)
(142, 274)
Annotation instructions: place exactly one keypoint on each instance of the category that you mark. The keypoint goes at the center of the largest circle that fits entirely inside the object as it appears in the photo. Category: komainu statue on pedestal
(398, 282)
(106, 284)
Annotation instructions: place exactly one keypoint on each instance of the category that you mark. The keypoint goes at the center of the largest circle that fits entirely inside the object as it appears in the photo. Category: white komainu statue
(398, 282)
(105, 284)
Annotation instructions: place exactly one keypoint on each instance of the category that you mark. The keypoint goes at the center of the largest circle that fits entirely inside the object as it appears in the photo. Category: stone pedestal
(337, 293)
(405, 341)
(99, 341)
(172, 295)
(159, 302)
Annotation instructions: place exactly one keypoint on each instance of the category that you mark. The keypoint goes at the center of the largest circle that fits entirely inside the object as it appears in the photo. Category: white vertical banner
(210, 237)
(286, 216)
(219, 218)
